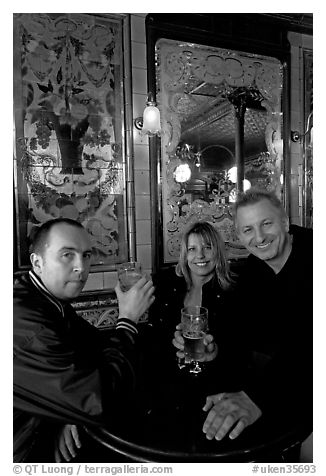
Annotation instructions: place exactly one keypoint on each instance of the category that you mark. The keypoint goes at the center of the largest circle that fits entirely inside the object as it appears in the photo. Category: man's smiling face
(263, 230)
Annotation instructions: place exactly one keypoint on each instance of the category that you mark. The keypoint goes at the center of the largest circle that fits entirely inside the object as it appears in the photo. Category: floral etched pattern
(70, 153)
(199, 85)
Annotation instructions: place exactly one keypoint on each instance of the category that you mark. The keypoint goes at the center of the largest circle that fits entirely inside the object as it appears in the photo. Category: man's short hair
(252, 196)
(39, 239)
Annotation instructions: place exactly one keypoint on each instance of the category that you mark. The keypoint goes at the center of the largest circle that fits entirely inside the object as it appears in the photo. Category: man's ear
(286, 222)
(37, 262)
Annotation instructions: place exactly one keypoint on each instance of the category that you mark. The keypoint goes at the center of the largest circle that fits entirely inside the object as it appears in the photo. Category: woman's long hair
(211, 237)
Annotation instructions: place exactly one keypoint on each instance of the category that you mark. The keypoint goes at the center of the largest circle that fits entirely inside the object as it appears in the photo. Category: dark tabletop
(164, 422)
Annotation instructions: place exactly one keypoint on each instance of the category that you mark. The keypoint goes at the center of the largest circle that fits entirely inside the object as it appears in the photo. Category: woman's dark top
(165, 314)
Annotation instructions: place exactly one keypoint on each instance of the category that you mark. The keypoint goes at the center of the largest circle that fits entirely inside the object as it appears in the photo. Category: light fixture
(246, 185)
(296, 136)
(150, 123)
(182, 173)
(188, 161)
(232, 173)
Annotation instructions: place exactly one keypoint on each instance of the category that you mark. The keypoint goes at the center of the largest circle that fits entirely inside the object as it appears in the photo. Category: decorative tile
(143, 207)
(110, 280)
(99, 309)
(138, 29)
(143, 232)
(94, 282)
(100, 312)
(139, 104)
(296, 160)
(141, 153)
(294, 192)
(139, 80)
(295, 120)
(138, 57)
(139, 138)
(141, 182)
(144, 255)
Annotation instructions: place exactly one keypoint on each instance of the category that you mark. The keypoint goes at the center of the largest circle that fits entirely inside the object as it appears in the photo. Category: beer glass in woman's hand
(194, 321)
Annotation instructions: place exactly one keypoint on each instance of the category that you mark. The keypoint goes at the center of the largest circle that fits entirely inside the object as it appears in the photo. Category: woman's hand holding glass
(211, 349)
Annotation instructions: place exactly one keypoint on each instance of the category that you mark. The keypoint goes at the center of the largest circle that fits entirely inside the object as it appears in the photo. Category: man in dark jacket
(275, 304)
(66, 371)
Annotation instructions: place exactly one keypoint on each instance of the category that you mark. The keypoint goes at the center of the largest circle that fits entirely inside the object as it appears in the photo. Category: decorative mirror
(221, 115)
(308, 140)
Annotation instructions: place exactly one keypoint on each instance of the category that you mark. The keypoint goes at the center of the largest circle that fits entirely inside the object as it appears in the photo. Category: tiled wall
(98, 281)
(298, 43)
(141, 153)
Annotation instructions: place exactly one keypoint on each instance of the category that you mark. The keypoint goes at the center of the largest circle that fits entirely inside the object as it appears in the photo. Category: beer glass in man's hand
(128, 274)
(194, 321)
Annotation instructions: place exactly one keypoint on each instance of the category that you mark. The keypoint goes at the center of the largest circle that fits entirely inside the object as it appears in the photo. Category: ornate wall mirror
(308, 140)
(222, 119)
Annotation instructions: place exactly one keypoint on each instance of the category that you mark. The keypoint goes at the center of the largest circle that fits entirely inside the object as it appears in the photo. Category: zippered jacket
(64, 369)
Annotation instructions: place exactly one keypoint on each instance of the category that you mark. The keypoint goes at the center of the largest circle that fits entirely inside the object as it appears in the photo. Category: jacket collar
(36, 280)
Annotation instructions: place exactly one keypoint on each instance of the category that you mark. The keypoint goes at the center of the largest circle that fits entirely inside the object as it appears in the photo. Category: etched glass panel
(220, 109)
(69, 126)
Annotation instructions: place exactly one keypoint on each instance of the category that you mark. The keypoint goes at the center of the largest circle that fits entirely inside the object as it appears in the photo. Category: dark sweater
(277, 326)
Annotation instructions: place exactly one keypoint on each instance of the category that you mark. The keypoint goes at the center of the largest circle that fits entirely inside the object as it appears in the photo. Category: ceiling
(208, 119)
(207, 116)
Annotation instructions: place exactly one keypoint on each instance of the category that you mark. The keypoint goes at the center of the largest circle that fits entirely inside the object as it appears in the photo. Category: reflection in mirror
(222, 133)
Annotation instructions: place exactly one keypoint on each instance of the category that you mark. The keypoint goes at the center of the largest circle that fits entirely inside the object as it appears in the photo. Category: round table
(165, 422)
(285, 447)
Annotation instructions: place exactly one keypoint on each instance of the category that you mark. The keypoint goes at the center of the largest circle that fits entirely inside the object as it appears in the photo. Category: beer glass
(128, 274)
(194, 320)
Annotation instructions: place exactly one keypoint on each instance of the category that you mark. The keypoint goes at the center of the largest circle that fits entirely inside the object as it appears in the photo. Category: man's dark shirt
(276, 318)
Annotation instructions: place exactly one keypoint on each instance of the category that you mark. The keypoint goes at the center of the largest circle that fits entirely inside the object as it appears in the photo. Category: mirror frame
(228, 31)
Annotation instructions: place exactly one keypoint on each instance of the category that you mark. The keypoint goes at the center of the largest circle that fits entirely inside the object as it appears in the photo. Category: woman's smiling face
(201, 257)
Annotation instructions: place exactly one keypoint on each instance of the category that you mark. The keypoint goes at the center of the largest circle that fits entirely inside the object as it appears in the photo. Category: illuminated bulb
(151, 118)
(246, 185)
(232, 173)
(281, 179)
(182, 173)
